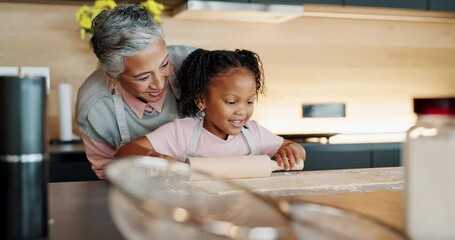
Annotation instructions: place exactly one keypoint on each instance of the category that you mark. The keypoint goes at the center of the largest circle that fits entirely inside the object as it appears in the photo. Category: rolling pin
(257, 166)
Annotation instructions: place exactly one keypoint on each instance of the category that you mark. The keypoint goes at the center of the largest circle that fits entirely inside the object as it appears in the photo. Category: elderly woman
(135, 90)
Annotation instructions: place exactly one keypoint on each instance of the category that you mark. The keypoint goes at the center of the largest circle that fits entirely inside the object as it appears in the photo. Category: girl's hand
(289, 154)
(286, 157)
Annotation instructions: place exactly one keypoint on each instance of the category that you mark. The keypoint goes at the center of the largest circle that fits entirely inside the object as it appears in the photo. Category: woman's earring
(201, 113)
(113, 90)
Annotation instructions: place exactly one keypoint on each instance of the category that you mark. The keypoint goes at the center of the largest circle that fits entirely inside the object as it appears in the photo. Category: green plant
(86, 14)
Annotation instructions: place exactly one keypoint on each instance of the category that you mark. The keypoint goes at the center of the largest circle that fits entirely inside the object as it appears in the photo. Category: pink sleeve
(98, 154)
(172, 138)
(269, 143)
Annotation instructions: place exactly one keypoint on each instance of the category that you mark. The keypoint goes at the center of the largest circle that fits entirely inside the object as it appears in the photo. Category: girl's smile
(238, 123)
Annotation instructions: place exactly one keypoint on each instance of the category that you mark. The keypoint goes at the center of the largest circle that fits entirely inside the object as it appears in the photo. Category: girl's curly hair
(202, 66)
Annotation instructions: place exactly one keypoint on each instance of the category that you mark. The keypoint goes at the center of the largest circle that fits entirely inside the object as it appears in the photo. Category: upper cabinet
(335, 2)
(411, 4)
(432, 5)
(441, 5)
(241, 1)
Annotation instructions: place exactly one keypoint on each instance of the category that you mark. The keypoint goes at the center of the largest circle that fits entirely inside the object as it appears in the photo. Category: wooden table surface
(79, 210)
(386, 206)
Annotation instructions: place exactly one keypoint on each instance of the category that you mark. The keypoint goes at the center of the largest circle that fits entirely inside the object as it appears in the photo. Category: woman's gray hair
(122, 32)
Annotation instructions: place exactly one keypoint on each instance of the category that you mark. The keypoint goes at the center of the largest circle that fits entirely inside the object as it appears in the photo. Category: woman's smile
(155, 93)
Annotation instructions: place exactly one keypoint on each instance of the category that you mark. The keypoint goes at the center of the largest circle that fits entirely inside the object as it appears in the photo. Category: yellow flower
(82, 33)
(155, 8)
(82, 12)
(104, 4)
(86, 14)
(96, 11)
(85, 22)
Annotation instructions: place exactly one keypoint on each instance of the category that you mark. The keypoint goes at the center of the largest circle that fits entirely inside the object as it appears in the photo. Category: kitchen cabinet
(386, 155)
(413, 4)
(432, 5)
(441, 5)
(68, 162)
(325, 157)
(342, 156)
(335, 2)
(71, 164)
(239, 1)
(68, 167)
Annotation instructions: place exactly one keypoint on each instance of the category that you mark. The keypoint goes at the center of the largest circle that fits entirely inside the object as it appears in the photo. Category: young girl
(219, 90)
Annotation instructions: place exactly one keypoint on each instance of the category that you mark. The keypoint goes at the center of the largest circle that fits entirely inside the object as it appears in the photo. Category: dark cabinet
(69, 167)
(325, 160)
(413, 4)
(345, 156)
(386, 155)
(441, 5)
(386, 158)
(73, 165)
(67, 163)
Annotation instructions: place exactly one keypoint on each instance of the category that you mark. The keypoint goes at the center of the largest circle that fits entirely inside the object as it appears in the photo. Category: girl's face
(229, 104)
(146, 74)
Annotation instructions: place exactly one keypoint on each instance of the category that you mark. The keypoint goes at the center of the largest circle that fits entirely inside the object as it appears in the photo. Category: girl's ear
(200, 103)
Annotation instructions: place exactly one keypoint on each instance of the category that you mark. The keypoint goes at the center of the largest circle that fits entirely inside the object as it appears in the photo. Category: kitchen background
(373, 66)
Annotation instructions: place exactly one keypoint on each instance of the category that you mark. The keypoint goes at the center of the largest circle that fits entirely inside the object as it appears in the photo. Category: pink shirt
(173, 139)
(100, 154)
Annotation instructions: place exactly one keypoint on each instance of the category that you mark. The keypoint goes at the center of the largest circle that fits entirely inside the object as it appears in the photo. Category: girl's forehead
(244, 80)
(233, 71)
(229, 75)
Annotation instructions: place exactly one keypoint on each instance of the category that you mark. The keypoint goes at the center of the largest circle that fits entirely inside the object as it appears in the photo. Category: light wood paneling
(374, 66)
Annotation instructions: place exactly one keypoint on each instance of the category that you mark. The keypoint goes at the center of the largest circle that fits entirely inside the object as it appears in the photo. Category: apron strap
(249, 141)
(121, 118)
(194, 140)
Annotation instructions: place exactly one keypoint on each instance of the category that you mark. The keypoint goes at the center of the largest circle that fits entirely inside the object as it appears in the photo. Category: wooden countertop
(386, 206)
(79, 210)
(298, 183)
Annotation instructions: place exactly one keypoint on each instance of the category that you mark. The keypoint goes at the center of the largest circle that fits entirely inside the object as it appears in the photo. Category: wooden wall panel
(373, 66)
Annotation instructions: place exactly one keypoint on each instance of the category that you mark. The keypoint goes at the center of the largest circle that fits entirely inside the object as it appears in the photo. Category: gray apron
(121, 118)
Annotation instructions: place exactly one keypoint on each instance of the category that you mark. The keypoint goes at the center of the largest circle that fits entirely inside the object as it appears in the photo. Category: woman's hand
(159, 155)
(289, 154)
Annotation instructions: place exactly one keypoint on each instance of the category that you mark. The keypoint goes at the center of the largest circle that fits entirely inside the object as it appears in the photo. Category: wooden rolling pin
(257, 166)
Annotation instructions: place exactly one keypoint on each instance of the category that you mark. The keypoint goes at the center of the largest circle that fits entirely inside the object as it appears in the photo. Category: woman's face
(230, 103)
(146, 74)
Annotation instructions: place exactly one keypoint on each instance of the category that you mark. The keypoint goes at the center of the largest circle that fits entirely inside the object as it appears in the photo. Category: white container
(429, 160)
(65, 91)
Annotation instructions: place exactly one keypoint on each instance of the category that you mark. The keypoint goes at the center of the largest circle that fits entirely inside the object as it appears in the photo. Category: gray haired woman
(135, 90)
